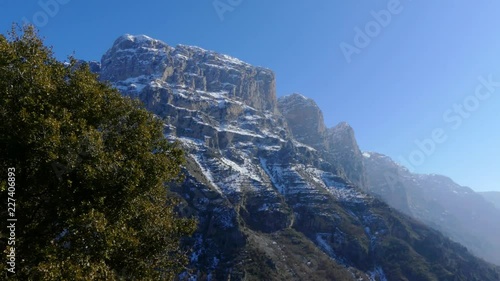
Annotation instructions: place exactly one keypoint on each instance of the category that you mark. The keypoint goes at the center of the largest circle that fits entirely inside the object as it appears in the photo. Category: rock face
(134, 61)
(273, 202)
(345, 150)
(338, 144)
(457, 211)
(305, 119)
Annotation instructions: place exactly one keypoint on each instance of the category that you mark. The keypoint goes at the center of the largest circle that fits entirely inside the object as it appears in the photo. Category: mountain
(277, 194)
(338, 144)
(492, 196)
(436, 200)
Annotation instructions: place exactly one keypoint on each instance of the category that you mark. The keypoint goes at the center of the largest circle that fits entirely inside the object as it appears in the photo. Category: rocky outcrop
(135, 61)
(338, 144)
(304, 119)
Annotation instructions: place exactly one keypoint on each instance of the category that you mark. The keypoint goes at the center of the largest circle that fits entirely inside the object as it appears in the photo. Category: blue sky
(415, 77)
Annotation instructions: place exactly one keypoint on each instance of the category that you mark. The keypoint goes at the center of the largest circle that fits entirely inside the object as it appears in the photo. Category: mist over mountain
(492, 196)
(457, 211)
(278, 195)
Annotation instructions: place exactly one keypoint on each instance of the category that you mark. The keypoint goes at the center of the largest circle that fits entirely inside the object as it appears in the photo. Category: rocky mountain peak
(343, 132)
(128, 41)
(304, 118)
(134, 56)
(344, 147)
(134, 63)
(342, 139)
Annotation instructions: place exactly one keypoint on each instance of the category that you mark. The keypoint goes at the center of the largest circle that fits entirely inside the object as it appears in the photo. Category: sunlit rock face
(304, 118)
(135, 61)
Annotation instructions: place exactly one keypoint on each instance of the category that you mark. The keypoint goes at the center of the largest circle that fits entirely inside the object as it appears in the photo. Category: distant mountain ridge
(457, 211)
(278, 195)
(492, 196)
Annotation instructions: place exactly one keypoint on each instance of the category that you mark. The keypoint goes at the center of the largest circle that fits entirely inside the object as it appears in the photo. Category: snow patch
(207, 173)
(377, 274)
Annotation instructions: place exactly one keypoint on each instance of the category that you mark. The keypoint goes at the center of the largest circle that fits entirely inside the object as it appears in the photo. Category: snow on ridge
(241, 169)
(377, 274)
(340, 190)
(295, 96)
(236, 130)
(232, 60)
(270, 147)
(224, 66)
(192, 142)
(272, 176)
(224, 59)
(191, 47)
(206, 172)
(139, 39)
(299, 144)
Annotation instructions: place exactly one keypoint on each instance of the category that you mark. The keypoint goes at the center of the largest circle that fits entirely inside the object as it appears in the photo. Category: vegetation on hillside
(90, 168)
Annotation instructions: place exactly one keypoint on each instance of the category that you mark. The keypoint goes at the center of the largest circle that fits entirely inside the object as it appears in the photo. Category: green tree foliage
(91, 168)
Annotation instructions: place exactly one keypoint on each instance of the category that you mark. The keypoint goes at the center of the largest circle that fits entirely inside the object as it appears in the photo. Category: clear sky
(411, 76)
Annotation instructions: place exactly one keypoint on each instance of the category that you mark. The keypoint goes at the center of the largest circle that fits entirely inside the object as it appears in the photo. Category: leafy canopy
(91, 168)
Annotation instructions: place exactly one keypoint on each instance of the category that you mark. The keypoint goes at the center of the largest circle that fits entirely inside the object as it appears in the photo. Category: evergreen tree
(90, 173)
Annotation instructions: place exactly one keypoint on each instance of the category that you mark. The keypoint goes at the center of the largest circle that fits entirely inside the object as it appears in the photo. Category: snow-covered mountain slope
(136, 62)
(272, 205)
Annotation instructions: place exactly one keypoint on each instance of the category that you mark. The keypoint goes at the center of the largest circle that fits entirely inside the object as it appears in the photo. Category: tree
(91, 168)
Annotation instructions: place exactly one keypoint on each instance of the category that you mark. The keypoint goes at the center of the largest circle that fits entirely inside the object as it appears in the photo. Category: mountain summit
(135, 62)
